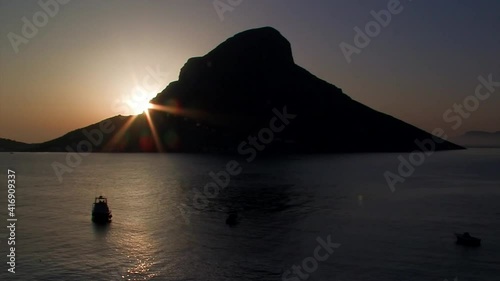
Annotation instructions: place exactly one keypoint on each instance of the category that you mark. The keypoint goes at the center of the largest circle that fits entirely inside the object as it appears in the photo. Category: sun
(140, 107)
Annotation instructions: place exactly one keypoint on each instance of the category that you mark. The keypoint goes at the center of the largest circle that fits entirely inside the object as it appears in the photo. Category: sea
(325, 217)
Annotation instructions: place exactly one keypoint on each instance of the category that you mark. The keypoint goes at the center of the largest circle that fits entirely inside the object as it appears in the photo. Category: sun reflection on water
(138, 251)
(136, 235)
(139, 260)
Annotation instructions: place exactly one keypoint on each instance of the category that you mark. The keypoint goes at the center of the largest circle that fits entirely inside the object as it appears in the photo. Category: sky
(85, 61)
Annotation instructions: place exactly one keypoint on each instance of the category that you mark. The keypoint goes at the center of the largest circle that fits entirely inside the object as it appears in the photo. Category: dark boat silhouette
(100, 210)
(467, 240)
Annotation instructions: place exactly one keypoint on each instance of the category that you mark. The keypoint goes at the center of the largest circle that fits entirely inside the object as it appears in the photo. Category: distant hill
(237, 90)
(83, 135)
(71, 139)
(482, 134)
(478, 139)
(11, 145)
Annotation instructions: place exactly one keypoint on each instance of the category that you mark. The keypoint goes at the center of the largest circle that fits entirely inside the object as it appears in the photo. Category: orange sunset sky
(92, 57)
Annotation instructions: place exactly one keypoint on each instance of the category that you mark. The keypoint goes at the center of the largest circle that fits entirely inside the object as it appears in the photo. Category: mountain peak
(239, 90)
(259, 43)
(255, 50)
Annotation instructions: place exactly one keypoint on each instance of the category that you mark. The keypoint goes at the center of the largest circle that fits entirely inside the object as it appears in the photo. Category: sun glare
(141, 107)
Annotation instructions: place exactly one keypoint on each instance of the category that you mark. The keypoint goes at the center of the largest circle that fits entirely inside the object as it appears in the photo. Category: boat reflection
(101, 230)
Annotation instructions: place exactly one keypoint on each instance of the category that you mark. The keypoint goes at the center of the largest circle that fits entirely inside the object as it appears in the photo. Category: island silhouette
(245, 94)
(478, 139)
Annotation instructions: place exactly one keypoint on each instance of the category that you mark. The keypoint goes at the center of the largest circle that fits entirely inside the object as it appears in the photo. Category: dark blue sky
(92, 53)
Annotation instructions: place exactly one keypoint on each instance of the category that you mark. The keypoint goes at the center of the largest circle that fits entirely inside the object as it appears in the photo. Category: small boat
(100, 210)
(467, 240)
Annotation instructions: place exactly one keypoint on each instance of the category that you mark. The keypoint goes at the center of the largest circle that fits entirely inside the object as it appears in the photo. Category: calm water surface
(286, 204)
